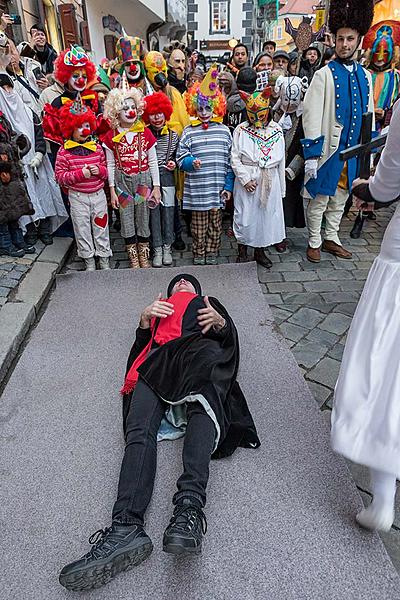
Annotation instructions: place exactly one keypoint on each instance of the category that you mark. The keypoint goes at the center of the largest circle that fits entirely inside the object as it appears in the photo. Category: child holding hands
(81, 169)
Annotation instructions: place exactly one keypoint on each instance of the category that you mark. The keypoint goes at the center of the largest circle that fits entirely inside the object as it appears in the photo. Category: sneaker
(184, 534)
(115, 549)
(158, 257)
(13, 252)
(179, 244)
(211, 259)
(199, 260)
(28, 249)
(104, 263)
(167, 255)
(90, 264)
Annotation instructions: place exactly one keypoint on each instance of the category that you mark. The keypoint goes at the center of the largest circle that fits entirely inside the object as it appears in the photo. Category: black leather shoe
(46, 239)
(179, 244)
(357, 227)
(261, 258)
(184, 534)
(115, 549)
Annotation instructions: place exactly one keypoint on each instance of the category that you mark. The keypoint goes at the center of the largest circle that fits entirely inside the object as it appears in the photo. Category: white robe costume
(43, 190)
(258, 154)
(366, 409)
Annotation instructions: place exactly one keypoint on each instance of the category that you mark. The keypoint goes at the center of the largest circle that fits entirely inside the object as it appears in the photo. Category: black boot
(358, 225)
(184, 534)
(242, 254)
(179, 244)
(117, 222)
(31, 236)
(371, 216)
(115, 549)
(44, 231)
(261, 258)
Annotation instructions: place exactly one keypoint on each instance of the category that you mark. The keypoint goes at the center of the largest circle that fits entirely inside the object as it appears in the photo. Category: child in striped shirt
(204, 154)
(81, 169)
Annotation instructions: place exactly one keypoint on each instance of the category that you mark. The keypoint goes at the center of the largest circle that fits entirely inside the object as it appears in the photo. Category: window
(219, 17)
(279, 32)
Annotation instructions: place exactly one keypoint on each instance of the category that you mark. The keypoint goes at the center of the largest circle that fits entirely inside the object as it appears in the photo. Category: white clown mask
(78, 80)
(128, 113)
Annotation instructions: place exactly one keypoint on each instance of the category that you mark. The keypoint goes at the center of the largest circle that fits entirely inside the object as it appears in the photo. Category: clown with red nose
(75, 71)
(81, 171)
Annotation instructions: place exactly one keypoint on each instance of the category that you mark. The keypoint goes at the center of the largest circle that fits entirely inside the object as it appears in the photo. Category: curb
(18, 316)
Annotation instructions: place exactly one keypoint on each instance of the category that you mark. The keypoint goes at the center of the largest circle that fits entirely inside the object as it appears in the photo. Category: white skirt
(366, 410)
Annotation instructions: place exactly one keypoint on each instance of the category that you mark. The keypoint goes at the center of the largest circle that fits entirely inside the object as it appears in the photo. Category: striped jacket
(212, 146)
(69, 165)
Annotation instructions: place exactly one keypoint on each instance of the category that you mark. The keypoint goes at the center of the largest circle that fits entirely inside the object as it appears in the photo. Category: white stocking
(380, 513)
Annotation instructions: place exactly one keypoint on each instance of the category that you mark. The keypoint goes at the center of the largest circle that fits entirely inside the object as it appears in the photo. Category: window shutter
(85, 35)
(109, 43)
(68, 24)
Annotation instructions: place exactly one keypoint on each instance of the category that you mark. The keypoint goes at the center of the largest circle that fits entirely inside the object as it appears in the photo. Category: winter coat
(14, 199)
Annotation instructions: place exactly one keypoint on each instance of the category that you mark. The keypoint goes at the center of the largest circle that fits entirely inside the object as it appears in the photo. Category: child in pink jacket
(81, 169)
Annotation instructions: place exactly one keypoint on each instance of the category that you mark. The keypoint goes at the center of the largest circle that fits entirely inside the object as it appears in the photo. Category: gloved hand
(311, 168)
(36, 160)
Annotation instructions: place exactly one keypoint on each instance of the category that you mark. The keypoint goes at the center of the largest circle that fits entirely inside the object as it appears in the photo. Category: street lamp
(233, 43)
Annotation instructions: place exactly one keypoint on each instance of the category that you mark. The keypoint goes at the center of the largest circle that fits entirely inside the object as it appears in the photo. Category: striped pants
(206, 228)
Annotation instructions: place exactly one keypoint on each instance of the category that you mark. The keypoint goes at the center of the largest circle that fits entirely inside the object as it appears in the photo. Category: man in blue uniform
(338, 96)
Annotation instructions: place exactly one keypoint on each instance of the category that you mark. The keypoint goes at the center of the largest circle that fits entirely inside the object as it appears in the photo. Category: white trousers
(90, 220)
(332, 208)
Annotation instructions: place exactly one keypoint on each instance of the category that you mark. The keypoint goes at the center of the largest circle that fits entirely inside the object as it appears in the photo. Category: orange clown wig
(69, 61)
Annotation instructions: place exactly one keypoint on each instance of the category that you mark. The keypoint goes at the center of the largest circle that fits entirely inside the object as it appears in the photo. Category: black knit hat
(191, 278)
(351, 14)
(246, 80)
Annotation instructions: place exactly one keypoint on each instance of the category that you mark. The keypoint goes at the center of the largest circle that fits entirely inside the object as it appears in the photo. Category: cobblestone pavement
(13, 270)
(313, 305)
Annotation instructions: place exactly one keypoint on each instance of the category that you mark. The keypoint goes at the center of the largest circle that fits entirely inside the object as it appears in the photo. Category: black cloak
(200, 364)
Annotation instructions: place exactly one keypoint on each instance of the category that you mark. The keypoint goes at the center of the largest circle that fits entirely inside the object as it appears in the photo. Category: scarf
(69, 144)
(162, 331)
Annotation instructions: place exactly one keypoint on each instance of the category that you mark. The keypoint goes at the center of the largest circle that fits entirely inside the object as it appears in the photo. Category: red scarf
(168, 329)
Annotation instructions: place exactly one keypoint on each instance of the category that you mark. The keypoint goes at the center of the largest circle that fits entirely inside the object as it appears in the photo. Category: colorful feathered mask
(382, 40)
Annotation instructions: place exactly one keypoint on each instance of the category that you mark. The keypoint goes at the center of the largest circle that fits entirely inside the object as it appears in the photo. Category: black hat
(351, 14)
(246, 80)
(191, 278)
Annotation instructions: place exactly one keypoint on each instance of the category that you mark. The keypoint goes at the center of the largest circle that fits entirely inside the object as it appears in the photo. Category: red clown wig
(63, 67)
(70, 120)
(157, 103)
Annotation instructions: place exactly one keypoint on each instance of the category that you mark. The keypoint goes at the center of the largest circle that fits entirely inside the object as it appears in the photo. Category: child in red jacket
(81, 169)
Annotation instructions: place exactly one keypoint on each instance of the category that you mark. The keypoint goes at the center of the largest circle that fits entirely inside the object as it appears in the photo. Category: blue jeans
(11, 236)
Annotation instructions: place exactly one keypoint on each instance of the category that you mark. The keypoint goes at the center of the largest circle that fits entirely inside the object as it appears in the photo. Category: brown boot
(335, 249)
(144, 255)
(313, 254)
(261, 258)
(242, 254)
(133, 256)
